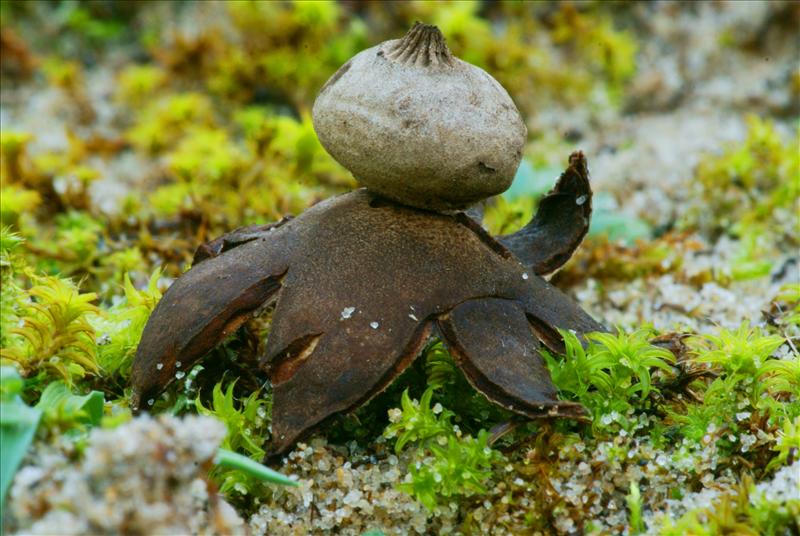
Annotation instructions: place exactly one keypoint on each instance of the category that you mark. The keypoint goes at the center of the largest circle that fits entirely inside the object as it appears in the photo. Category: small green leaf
(634, 501)
(232, 460)
(57, 401)
(18, 424)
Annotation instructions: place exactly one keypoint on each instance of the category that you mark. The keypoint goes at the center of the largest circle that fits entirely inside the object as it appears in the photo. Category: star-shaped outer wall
(360, 284)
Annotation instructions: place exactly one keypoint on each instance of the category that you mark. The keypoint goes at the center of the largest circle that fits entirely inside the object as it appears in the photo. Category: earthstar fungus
(361, 281)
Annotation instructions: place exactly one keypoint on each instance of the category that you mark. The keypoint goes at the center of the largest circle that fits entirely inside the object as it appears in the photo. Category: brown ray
(205, 305)
(561, 221)
(491, 341)
(548, 310)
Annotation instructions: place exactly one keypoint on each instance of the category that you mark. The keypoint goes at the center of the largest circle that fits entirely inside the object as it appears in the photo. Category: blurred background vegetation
(135, 130)
(196, 116)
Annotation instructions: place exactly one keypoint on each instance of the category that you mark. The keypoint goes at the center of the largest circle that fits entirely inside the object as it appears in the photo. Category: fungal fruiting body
(361, 281)
(340, 336)
(415, 124)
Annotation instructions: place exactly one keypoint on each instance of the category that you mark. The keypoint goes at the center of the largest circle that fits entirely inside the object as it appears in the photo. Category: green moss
(504, 216)
(270, 57)
(751, 258)
(788, 302)
(169, 200)
(164, 121)
(611, 376)
(206, 155)
(634, 502)
(572, 54)
(248, 425)
(137, 83)
(602, 259)
(81, 20)
(119, 265)
(787, 443)
(120, 327)
(747, 383)
(608, 51)
(740, 353)
(75, 247)
(747, 511)
(752, 187)
(11, 295)
(62, 72)
(12, 149)
(472, 411)
(447, 464)
(55, 338)
(417, 421)
(17, 203)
